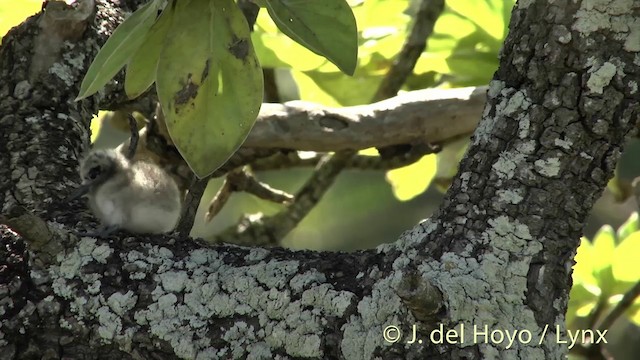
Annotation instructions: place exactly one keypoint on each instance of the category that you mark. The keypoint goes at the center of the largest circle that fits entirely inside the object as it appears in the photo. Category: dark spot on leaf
(205, 72)
(239, 48)
(188, 91)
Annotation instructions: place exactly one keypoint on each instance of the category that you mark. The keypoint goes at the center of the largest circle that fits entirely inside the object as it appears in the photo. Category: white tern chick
(135, 196)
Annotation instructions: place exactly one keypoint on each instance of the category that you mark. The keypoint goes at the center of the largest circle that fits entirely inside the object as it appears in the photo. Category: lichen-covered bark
(558, 111)
(498, 251)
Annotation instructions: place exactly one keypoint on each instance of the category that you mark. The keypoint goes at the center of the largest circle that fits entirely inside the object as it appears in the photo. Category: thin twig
(291, 159)
(191, 203)
(242, 179)
(416, 42)
(135, 136)
(269, 231)
(219, 200)
(271, 92)
(245, 180)
(627, 300)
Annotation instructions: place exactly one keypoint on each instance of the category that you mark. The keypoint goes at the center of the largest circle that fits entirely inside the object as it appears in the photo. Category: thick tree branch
(497, 253)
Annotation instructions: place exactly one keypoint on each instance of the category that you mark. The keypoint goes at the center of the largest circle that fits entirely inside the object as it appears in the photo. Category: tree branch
(496, 253)
(430, 115)
(425, 19)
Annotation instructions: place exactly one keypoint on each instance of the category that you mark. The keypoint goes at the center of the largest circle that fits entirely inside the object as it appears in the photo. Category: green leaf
(117, 51)
(630, 226)
(275, 49)
(141, 70)
(583, 268)
(325, 27)
(604, 245)
(209, 82)
(448, 160)
(335, 89)
(403, 180)
(466, 40)
(634, 312)
(625, 266)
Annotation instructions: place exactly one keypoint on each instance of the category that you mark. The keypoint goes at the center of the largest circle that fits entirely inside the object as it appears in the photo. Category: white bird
(136, 196)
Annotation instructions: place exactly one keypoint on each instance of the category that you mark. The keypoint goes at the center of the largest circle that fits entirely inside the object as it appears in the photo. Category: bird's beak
(79, 192)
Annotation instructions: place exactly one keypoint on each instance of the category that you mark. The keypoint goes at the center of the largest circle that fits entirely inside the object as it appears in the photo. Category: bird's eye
(93, 173)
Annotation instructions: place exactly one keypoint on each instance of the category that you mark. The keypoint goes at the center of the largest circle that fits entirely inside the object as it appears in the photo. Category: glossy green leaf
(625, 266)
(209, 82)
(141, 70)
(117, 51)
(325, 27)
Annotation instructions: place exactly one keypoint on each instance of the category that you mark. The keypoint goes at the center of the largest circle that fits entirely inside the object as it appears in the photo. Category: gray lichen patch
(362, 334)
(549, 167)
(507, 163)
(192, 293)
(488, 292)
(512, 196)
(599, 14)
(601, 77)
(513, 105)
(63, 72)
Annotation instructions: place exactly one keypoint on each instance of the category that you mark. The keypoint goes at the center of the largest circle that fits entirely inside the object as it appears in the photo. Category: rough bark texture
(498, 251)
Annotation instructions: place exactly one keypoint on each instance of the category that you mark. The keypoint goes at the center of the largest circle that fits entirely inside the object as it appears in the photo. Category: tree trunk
(496, 256)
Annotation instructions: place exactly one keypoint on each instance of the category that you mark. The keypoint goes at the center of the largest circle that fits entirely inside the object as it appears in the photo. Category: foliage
(605, 269)
(207, 75)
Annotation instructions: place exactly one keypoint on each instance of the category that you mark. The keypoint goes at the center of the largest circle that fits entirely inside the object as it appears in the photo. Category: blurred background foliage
(362, 209)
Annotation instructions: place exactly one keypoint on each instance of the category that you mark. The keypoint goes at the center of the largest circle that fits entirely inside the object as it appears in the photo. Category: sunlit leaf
(582, 299)
(12, 14)
(141, 70)
(275, 49)
(604, 244)
(466, 41)
(410, 181)
(625, 266)
(485, 14)
(369, 152)
(630, 226)
(325, 27)
(209, 82)
(118, 49)
(447, 162)
(96, 125)
(335, 89)
(583, 269)
(634, 312)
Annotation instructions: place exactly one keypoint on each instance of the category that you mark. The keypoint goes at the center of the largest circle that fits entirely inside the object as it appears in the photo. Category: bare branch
(626, 301)
(431, 115)
(291, 159)
(242, 179)
(268, 231)
(425, 19)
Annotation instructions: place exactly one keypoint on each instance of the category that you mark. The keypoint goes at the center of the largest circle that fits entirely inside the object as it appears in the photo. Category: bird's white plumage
(139, 197)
